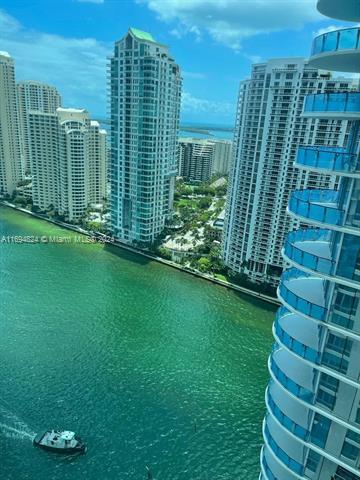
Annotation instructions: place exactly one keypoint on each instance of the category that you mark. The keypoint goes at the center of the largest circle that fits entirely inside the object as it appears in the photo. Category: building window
(320, 430)
(313, 460)
(328, 387)
(351, 446)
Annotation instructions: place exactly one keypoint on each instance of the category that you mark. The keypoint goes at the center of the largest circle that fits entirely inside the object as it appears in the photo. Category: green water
(150, 365)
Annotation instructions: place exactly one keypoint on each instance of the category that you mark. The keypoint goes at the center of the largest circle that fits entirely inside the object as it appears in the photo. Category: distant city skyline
(214, 44)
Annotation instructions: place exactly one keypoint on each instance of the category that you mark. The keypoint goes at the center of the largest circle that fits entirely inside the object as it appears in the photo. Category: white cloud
(328, 29)
(229, 21)
(331, 28)
(195, 105)
(98, 2)
(76, 66)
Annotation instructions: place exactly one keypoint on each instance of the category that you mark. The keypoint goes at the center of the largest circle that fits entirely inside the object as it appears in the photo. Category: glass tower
(145, 85)
(312, 425)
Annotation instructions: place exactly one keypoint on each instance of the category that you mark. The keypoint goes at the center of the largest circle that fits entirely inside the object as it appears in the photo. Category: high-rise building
(34, 96)
(312, 426)
(68, 161)
(222, 156)
(196, 157)
(200, 158)
(269, 127)
(10, 152)
(145, 85)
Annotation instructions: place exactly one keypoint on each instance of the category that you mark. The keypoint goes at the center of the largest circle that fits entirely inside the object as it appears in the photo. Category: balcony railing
(295, 251)
(338, 40)
(300, 304)
(341, 102)
(282, 455)
(292, 344)
(266, 467)
(289, 384)
(335, 159)
(318, 205)
(285, 421)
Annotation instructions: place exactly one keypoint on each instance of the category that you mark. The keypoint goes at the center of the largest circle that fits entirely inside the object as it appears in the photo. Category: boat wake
(11, 426)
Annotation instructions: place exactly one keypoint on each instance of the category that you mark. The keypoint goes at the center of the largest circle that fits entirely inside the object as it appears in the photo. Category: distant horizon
(71, 41)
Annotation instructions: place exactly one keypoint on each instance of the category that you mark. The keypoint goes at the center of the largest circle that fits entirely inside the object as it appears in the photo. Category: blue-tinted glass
(348, 38)
(330, 41)
(317, 45)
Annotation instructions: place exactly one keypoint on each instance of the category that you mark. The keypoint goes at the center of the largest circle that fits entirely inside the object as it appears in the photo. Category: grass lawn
(186, 202)
(219, 276)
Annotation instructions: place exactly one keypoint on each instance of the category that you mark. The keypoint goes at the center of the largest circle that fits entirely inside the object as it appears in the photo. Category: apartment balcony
(303, 293)
(348, 10)
(298, 335)
(272, 468)
(287, 449)
(336, 106)
(338, 50)
(320, 207)
(284, 368)
(328, 160)
(313, 251)
(298, 413)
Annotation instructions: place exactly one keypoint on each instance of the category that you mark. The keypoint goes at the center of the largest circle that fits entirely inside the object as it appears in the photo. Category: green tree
(204, 264)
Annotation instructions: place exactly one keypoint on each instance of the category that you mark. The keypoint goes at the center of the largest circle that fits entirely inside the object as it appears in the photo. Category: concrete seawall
(210, 278)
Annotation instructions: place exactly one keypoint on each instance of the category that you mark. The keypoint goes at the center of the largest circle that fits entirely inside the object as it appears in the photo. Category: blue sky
(66, 42)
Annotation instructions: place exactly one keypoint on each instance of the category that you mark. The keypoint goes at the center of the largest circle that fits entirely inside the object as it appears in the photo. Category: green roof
(140, 35)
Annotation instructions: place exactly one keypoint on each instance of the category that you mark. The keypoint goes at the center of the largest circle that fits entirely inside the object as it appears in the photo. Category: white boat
(60, 441)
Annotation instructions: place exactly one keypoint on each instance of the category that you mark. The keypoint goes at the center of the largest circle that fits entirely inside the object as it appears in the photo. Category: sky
(66, 43)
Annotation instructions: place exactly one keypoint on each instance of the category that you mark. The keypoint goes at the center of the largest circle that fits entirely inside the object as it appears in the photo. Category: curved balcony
(348, 10)
(298, 335)
(286, 421)
(289, 452)
(314, 250)
(337, 106)
(328, 159)
(303, 293)
(272, 468)
(300, 413)
(317, 206)
(298, 381)
(311, 249)
(338, 50)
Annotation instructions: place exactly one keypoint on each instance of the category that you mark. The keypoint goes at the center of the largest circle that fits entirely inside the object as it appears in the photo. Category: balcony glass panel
(318, 205)
(311, 248)
(266, 468)
(329, 158)
(294, 345)
(286, 421)
(345, 39)
(289, 384)
(282, 455)
(303, 292)
(332, 102)
(330, 42)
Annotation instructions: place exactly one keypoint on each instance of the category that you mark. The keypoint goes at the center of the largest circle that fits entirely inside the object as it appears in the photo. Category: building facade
(196, 158)
(10, 151)
(312, 426)
(200, 158)
(222, 156)
(269, 127)
(37, 96)
(145, 85)
(68, 161)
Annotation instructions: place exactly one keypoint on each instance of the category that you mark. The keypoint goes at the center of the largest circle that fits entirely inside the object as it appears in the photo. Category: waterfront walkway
(117, 243)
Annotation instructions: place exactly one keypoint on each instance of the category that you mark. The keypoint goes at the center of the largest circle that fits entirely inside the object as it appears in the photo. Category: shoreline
(169, 263)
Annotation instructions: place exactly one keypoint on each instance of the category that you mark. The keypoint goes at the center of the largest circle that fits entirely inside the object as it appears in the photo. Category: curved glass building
(312, 426)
